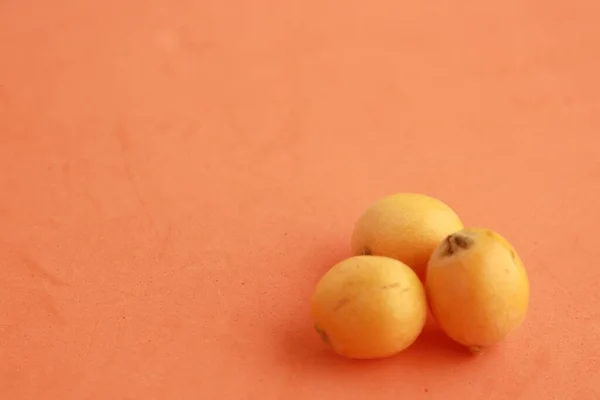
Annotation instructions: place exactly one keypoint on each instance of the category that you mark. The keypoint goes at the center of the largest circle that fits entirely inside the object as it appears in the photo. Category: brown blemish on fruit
(341, 303)
(456, 242)
(366, 252)
(391, 286)
(464, 242)
(323, 335)
(476, 350)
(513, 255)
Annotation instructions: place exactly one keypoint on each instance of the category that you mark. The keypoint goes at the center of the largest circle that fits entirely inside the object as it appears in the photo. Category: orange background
(175, 176)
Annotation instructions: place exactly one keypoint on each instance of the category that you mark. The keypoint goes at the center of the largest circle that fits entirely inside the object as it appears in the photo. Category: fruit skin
(368, 307)
(404, 226)
(477, 288)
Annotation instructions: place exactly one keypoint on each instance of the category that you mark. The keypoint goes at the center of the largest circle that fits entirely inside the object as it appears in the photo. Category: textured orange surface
(175, 176)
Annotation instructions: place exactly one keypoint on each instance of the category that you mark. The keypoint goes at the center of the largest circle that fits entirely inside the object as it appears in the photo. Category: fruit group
(404, 226)
(369, 307)
(477, 287)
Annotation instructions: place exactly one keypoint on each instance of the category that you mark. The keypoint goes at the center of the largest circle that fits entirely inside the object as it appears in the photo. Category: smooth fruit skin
(406, 227)
(477, 287)
(369, 307)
